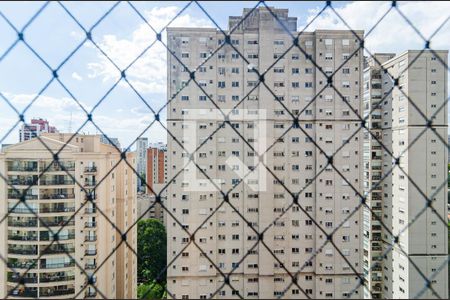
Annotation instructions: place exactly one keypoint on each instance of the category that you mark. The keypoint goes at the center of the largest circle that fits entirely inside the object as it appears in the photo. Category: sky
(88, 75)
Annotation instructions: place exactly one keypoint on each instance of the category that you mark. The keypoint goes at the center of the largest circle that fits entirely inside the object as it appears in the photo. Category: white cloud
(56, 105)
(393, 34)
(148, 74)
(76, 76)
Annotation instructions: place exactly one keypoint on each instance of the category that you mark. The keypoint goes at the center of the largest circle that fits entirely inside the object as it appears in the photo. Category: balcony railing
(90, 210)
(16, 237)
(57, 196)
(58, 223)
(22, 224)
(22, 251)
(92, 169)
(17, 278)
(49, 251)
(90, 183)
(56, 278)
(24, 293)
(25, 210)
(23, 182)
(90, 238)
(22, 168)
(48, 293)
(60, 237)
(22, 265)
(19, 196)
(90, 224)
(56, 209)
(58, 265)
(90, 266)
(57, 182)
(89, 252)
(58, 167)
(90, 294)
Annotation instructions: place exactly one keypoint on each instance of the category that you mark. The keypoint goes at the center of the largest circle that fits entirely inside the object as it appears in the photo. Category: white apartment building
(397, 110)
(62, 218)
(294, 237)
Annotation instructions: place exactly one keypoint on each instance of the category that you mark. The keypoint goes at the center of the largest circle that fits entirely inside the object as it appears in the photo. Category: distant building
(55, 200)
(146, 209)
(112, 141)
(141, 158)
(34, 129)
(156, 167)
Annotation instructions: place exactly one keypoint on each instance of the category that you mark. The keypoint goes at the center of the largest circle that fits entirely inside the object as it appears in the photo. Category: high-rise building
(141, 157)
(400, 94)
(227, 223)
(51, 209)
(156, 167)
(37, 126)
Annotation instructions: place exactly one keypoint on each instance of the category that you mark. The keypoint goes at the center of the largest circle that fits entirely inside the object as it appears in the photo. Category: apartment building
(295, 238)
(400, 91)
(33, 129)
(52, 209)
(156, 167)
(141, 157)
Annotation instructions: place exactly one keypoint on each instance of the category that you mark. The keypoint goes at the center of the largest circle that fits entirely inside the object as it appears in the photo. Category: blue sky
(88, 75)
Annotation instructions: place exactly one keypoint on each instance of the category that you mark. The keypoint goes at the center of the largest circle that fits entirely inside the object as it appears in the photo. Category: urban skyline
(245, 154)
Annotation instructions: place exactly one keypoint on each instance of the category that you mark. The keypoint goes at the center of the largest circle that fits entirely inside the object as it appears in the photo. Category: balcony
(55, 278)
(90, 294)
(22, 251)
(17, 196)
(23, 168)
(60, 209)
(49, 292)
(17, 278)
(58, 167)
(90, 224)
(90, 210)
(377, 248)
(17, 237)
(24, 293)
(24, 210)
(26, 182)
(91, 169)
(58, 265)
(58, 223)
(48, 237)
(90, 266)
(90, 183)
(90, 252)
(57, 250)
(57, 182)
(22, 264)
(90, 238)
(57, 196)
(32, 223)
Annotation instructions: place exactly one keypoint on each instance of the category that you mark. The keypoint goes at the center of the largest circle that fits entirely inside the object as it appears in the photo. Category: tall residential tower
(295, 239)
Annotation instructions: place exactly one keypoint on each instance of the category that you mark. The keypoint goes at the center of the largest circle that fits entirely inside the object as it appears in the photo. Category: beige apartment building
(64, 217)
(396, 111)
(295, 239)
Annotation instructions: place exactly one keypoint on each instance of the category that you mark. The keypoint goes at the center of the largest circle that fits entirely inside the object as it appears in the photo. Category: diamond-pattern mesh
(90, 38)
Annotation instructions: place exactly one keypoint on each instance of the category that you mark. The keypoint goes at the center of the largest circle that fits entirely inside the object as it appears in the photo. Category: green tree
(152, 251)
(151, 291)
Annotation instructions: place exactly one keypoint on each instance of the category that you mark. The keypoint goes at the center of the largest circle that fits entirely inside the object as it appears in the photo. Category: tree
(151, 291)
(152, 251)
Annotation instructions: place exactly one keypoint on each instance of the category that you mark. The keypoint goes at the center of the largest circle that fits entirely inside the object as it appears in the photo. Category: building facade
(53, 226)
(141, 157)
(31, 130)
(156, 167)
(295, 238)
(412, 244)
